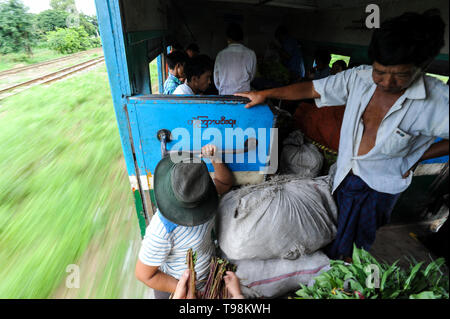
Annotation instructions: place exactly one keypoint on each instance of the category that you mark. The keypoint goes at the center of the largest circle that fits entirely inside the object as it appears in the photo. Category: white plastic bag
(299, 157)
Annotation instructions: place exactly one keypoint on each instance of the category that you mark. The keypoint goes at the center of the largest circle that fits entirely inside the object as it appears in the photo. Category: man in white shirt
(198, 72)
(393, 114)
(235, 66)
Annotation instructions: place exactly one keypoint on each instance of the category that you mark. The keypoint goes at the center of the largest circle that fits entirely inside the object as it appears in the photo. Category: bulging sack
(276, 277)
(285, 217)
(299, 157)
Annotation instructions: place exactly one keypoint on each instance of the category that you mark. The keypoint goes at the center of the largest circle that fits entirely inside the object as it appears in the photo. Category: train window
(335, 57)
(154, 80)
(443, 78)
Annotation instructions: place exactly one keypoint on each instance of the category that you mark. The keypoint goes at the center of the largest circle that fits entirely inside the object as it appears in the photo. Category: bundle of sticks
(215, 285)
(190, 260)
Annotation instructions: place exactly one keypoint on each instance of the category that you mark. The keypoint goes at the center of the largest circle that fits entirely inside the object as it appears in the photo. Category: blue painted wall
(148, 116)
(113, 43)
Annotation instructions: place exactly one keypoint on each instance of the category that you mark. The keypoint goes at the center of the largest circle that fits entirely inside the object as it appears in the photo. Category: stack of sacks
(273, 232)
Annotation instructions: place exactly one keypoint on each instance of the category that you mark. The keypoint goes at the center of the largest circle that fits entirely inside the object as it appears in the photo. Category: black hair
(411, 38)
(234, 32)
(322, 55)
(176, 46)
(193, 47)
(198, 65)
(341, 63)
(176, 57)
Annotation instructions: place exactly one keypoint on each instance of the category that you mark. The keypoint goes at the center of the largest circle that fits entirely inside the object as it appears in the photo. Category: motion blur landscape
(64, 192)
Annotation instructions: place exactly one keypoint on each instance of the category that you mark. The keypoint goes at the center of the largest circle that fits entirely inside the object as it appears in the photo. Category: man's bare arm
(438, 149)
(223, 178)
(296, 91)
(155, 278)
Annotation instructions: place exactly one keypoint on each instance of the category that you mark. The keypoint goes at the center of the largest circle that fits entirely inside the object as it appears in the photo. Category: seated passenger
(198, 72)
(338, 66)
(321, 70)
(176, 62)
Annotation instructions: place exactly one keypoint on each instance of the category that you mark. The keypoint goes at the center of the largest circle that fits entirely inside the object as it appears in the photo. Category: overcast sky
(36, 6)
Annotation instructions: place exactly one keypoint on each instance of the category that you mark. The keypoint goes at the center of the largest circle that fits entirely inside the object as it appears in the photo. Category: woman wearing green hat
(187, 199)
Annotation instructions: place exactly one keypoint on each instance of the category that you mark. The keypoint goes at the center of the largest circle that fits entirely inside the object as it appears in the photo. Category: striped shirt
(171, 84)
(168, 250)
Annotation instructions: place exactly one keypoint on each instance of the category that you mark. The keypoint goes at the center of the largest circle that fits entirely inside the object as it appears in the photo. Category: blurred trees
(89, 23)
(20, 30)
(15, 27)
(49, 20)
(70, 40)
(64, 5)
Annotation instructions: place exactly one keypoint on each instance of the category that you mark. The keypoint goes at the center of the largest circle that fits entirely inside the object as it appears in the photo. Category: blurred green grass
(64, 193)
(36, 72)
(13, 60)
(153, 66)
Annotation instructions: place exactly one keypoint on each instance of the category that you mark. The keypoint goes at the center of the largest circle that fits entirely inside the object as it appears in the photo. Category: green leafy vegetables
(366, 278)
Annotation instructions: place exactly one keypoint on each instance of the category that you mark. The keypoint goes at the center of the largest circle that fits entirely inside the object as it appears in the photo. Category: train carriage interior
(152, 28)
(338, 26)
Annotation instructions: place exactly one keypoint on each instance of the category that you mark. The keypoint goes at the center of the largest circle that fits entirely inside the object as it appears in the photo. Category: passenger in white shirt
(235, 66)
(393, 114)
(198, 71)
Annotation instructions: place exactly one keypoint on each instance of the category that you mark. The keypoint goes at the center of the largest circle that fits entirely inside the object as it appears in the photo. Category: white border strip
(144, 182)
(241, 178)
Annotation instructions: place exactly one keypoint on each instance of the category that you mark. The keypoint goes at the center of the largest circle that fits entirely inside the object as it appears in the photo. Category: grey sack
(285, 217)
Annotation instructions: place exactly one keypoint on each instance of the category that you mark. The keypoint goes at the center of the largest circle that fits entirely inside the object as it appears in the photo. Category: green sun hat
(184, 191)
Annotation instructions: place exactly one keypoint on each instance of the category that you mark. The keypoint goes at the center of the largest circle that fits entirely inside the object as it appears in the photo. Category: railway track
(38, 65)
(49, 78)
